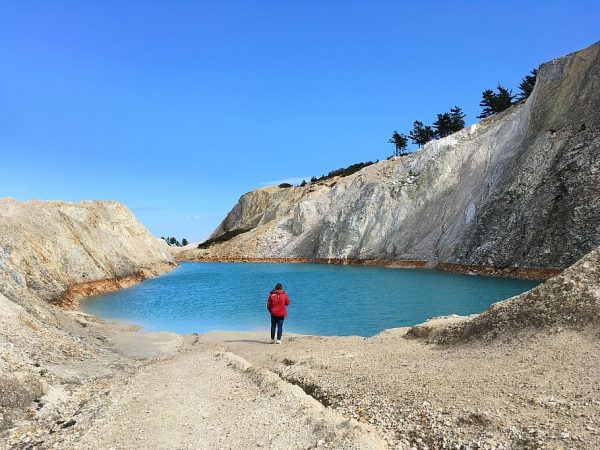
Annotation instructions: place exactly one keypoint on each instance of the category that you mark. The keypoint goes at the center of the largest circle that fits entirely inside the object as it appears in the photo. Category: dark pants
(276, 322)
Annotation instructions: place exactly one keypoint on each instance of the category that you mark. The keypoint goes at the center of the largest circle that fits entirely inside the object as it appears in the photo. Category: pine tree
(527, 85)
(504, 99)
(487, 103)
(492, 102)
(400, 142)
(184, 242)
(457, 119)
(421, 134)
(443, 125)
(449, 122)
(172, 241)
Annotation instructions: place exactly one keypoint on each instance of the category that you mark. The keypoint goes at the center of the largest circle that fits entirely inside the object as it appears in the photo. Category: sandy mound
(571, 299)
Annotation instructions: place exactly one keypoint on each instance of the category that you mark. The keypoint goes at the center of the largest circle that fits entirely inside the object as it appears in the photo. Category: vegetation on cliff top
(223, 238)
(446, 123)
(173, 242)
(343, 172)
(450, 122)
(495, 102)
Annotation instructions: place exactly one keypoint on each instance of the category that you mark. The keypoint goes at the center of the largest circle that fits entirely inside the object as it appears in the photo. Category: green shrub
(344, 172)
(223, 238)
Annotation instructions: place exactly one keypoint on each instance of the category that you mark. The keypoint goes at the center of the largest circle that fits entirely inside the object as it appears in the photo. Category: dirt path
(205, 399)
(532, 390)
(234, 390)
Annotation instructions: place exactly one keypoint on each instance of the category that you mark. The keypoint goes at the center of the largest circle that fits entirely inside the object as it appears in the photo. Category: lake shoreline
(208, 296)
(75, 293)
(524, 273)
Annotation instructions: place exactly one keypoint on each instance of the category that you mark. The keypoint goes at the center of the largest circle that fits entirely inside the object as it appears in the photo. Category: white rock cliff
(519, 189)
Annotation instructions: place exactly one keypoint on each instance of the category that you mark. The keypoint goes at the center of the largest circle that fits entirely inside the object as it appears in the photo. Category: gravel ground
(534, 390)
(234, 390)
(199, 400)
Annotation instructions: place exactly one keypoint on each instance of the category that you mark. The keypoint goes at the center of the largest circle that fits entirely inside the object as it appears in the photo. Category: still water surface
(326, 300)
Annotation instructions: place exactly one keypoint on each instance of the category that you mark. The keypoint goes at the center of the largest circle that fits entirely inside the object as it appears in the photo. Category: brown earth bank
(200, 258)
(528, 273)
(70, 298)
(407, 264)
(403, 264)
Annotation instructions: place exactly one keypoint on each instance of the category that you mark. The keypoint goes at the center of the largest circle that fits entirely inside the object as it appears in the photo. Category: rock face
(521, 189)
(569, 300)
(49, 250)
(46, 247)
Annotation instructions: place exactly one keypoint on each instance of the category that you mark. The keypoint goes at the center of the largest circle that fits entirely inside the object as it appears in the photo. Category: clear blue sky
(176, 108)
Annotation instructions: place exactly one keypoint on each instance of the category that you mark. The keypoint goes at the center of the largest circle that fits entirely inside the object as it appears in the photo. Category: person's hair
(278, 287)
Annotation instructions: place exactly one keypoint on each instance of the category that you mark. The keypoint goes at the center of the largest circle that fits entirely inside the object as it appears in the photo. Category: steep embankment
(57, 252)
(520, 189)
(51, 248)
(570, 300)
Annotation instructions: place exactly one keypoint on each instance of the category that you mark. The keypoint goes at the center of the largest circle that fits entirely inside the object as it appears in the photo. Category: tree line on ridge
(492, 102)
(173, 242)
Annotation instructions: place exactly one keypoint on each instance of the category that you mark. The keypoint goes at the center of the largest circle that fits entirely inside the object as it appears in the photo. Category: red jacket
(277, 302)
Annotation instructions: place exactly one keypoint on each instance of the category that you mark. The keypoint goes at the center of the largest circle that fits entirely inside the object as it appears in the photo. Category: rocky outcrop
(569, 300)
(51, 252)
(519, 189)
(47, 247)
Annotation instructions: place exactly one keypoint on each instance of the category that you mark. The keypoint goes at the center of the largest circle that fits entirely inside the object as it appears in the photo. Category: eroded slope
(46, 248)
(520, 189)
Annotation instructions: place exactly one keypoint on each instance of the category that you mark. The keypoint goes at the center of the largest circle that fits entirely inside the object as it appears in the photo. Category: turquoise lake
(325, 299)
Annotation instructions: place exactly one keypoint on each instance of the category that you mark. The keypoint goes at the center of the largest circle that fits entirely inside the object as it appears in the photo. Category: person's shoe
(278, 341)
(273, 341)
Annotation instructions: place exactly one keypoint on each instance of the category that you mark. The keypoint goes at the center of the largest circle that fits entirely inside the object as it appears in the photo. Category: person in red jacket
(276, 304)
